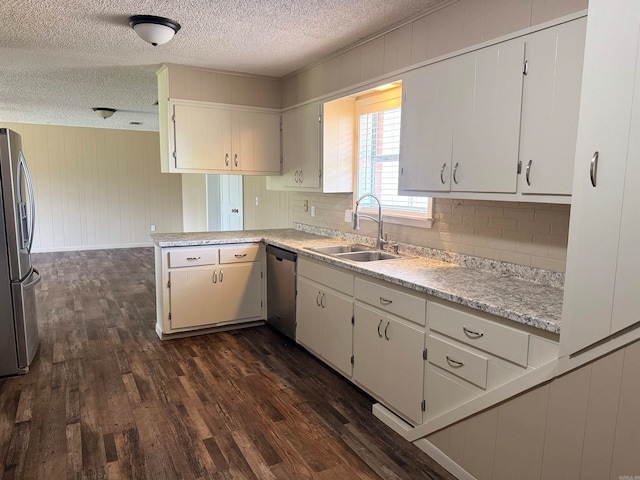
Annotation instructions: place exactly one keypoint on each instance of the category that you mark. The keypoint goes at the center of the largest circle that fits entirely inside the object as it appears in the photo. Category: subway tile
(503, 223)
(519, 213)
(517, 258)
(490, 211)
(552, 216)
(534, 227)
(548, 264)
(487, 253)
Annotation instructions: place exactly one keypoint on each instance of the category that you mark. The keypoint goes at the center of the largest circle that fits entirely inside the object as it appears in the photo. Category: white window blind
(379, 147)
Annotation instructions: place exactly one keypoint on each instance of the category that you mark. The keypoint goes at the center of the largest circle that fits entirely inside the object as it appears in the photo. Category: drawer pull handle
(454, 363)
(442, 173)
(455, 172)
(385, 301)
(220, 276)
(386, 335)
(240, 255)
(215, 276)
(593, 168)
(192, 259)
(322, 304)
(379, 332)
(471, 333)
(318, 298)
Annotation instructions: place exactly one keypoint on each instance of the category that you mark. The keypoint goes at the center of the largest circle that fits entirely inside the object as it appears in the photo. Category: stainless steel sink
(339, 249)
(368, 256)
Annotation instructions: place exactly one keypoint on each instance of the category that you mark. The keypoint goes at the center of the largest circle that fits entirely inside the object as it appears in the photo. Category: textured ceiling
(59, 58)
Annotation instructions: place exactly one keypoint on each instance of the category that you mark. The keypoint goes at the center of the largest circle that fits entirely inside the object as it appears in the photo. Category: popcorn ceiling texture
(529, 234)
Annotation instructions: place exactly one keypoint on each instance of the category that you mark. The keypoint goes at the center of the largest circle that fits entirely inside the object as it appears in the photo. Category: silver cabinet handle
(240, 255)
(471, 333)
(386, 330)
(192, 259)
(442, 172)
(215, 276)
(301, 176)
(455, 171)
(379, 325)
(318, 299)
(220, 276)
(226, 159)
(296, 177)
(385, 301)
(454, 363)
(235, 159)
(593, 168)
(528, 173)
(322, 304)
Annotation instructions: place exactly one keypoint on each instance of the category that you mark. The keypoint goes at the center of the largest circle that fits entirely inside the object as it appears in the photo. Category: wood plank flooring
(106, 399)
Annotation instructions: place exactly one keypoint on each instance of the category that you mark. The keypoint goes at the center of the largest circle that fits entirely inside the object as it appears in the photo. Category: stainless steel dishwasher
(281, 290)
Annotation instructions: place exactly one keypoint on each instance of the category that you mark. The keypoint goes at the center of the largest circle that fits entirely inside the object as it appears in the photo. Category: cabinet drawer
(406, 305)
(458, 361)
(492, 337)
(331, 277)
(192, 257)
(249, 252)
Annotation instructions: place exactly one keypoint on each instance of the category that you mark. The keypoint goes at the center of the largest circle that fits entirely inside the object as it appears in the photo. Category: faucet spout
(380, 240)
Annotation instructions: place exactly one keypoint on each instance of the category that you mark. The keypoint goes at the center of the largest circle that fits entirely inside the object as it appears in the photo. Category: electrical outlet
(313, 210)
(153, 228)
(305, 206)
(348, 216)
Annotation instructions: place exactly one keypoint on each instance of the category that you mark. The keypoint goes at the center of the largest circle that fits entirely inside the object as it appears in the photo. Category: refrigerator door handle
(33, 283)
(27, 176)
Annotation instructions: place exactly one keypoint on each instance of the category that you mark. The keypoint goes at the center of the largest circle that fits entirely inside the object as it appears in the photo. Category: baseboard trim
(446, 462)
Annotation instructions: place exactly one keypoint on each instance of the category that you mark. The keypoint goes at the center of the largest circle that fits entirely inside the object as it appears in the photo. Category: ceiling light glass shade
(155, 30)
(104, 112)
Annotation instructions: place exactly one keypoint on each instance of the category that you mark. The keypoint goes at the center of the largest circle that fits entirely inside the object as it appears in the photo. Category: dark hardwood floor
(105, 398)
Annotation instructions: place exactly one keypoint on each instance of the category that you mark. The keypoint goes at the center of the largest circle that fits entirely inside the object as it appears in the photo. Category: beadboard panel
(459, 25)
(584, 425)
(98, 187)
(273, 209)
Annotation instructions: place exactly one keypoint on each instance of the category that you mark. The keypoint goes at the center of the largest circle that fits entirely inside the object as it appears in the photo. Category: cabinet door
(202, 138)
(239, 290)
(487, 106)
(610, 64)
(426, 134)
(551, 103)
(301, 147)
(266, 142)
(308, 326)
(402, 370)
(367, 348)
(242, 147)
(337, 333)
(192, 297)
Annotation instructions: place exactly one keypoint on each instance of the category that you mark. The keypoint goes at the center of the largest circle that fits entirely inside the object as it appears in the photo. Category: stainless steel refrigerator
(18, 321)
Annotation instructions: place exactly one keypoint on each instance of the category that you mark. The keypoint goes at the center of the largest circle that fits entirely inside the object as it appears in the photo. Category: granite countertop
(529, 303)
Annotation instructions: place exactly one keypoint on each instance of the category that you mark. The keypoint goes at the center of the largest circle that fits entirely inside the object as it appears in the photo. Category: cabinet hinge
(401, 170)
(423, 405)
(169, 284)
(519, 167)
(424, 354)
(319, 173)
(169, 315)
(319, 118)
(175, 155)
(525, 68)
(353, 360)
(173, 117)
(260, 274)
(261, 303)
(404, 97)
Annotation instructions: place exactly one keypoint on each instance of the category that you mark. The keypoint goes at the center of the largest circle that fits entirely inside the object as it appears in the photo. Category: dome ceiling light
(104, 112)
(155, 30)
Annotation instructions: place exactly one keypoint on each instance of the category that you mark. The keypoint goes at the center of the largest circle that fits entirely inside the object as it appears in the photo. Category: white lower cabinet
(323, 314)
(388, 360)
(470, 353)
(199, 287)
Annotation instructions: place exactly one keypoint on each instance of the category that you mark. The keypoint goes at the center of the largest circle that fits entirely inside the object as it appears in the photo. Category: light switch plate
(313, 210)
(348, 215)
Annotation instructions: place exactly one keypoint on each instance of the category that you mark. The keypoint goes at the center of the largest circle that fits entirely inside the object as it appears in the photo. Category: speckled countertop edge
(536, 305)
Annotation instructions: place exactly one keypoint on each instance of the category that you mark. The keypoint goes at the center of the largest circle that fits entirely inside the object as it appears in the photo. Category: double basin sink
(356, 253)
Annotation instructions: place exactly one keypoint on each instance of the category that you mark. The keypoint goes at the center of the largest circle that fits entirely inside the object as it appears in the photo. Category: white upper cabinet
(551, 102)
(317, 148)
(486, 118)
(217, 139)
(461, 122)
(603, 265)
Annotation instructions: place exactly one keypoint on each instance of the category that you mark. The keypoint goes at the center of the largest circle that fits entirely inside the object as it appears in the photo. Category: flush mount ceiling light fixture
(155, 30)
(104, 112)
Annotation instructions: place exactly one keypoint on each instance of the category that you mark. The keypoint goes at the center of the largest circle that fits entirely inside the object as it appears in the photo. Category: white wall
(98, 188)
